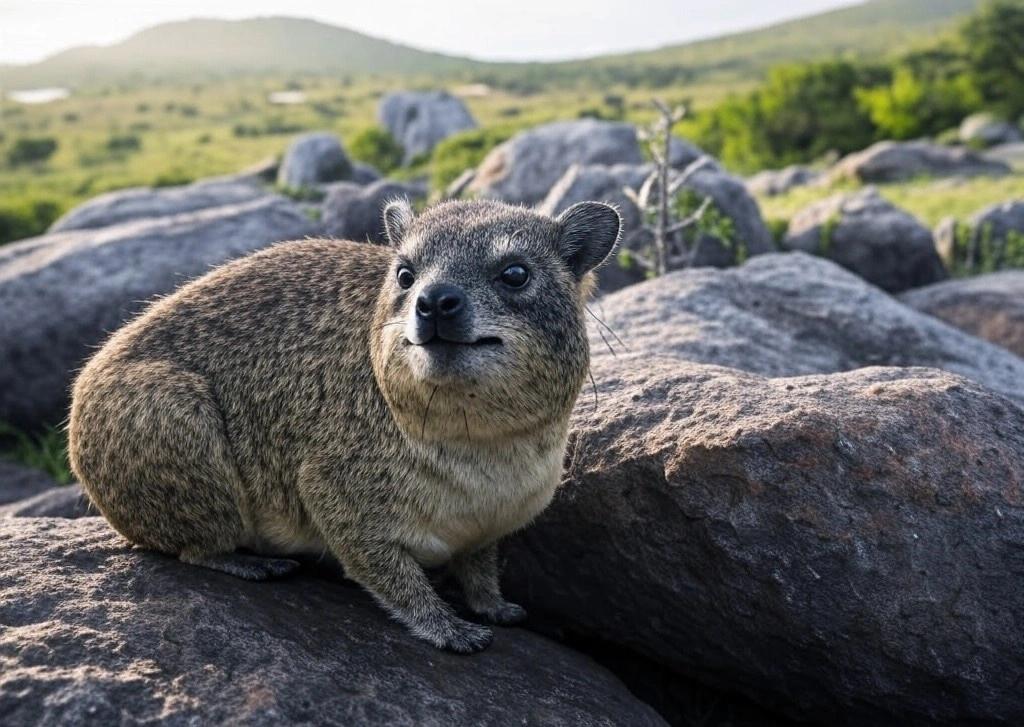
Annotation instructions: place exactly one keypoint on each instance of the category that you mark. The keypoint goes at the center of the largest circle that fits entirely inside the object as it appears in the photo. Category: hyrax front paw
(462, 637)
(504, 613)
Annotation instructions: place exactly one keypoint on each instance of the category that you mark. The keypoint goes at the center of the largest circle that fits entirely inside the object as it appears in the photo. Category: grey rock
(846, 547)
(1011, 155)
(682, 153)
(314, 158)
(987, 306)
(791, 314)
(987, 130)
(18, 482)
(523, 169)
(364, 174)
(999, 221)
(945, 240)
(144, 203)
(99, 633)
(351, 212)
(606, 184)
(773, 182)
(418, 120)
(62, 294)
(67, 502)
(894, 161)
(868, 235)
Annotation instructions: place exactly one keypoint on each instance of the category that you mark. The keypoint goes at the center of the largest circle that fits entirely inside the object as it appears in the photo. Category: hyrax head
(480, 328)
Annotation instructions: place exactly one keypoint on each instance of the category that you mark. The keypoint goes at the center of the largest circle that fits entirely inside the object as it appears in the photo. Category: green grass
(46, 451)
(930, 200)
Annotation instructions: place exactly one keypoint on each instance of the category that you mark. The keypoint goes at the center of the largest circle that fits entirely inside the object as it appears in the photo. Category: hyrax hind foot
(459, 636)
(249, 567)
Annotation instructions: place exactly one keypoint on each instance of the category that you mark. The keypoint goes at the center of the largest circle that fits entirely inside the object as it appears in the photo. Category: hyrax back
(400, 407)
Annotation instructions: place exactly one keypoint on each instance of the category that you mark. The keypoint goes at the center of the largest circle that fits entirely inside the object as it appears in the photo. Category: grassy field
(930, 200)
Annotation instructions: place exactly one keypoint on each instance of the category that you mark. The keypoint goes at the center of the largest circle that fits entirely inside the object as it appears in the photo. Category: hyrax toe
(464, 637)
(505, 614)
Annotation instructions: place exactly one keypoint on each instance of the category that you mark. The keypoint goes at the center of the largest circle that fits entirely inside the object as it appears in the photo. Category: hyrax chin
(400, 406)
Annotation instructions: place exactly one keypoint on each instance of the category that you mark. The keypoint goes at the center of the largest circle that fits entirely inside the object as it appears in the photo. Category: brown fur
(276, 405)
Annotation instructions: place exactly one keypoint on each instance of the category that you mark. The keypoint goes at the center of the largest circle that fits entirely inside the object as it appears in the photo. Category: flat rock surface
(94, 632)
(67, 501)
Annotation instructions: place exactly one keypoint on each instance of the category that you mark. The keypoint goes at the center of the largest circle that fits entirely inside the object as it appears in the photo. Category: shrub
(992, 40)
(47, 451)
(172, 178)
(26, 217)
(30, 150)
(376, 146)
(802, 112)
(463, 151)
(123, 143)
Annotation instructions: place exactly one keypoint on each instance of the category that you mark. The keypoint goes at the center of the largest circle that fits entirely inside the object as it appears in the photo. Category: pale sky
(509, 30)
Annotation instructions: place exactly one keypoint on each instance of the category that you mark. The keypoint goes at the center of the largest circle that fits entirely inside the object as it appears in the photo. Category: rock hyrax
(400, 406)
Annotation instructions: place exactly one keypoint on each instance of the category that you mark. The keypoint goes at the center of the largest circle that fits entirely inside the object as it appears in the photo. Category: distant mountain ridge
(204, 47)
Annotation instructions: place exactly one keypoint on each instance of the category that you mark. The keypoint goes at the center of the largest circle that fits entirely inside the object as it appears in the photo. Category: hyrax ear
(589, 232)
(398, 217)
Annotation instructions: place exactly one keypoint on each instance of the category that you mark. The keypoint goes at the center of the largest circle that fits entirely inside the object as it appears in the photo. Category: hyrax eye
(515, 276)
(406, 278)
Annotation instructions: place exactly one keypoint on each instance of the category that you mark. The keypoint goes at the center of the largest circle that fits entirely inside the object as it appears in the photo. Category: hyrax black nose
(440, 301)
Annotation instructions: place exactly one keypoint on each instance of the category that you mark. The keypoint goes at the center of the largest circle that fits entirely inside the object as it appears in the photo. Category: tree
(993, 42)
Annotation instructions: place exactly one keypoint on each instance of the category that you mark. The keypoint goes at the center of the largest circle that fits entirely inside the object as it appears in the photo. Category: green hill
(257, 46)
(196, 48)
(876, 27)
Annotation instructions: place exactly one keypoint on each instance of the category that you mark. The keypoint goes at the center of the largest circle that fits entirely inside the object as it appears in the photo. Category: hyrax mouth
(437, 342)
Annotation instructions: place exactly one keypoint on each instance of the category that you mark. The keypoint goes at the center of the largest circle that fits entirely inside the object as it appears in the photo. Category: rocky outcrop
(987, 306)
(845, 547)
(896, 161)
(868, 235)
(841, 544)
(146, 203)
(987, 130)
(418, 120)
(607, 183)
(311, 159)
(61, 295)
(790, 315)
(523, 169)
(93, 631)
(65, 502)
(773, 182)
(351, 212)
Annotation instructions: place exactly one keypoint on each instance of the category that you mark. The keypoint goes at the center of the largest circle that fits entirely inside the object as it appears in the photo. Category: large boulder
(840, 544)
(523, 169)
(845, 547)
(793, 314)
(132, 204)
(68, 501)
(1000, 221)
(607, 183)
(773, 182)
(985, 130)
(351, 212)
(95, 632)
(62, 294)
(418, 120)
(897, 161)
(992, 237)
(18, 482)
(870, 236)
(312, 159)
(1012, 155)
(987, 306)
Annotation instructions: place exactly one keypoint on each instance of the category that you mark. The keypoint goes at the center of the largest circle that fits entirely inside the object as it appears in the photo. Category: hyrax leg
(148, 442)
(477, 572)
(249, 567)
(401, 586)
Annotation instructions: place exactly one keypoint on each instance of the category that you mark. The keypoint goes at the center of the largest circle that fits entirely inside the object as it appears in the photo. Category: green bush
(26, 217)
(463, 151)
(802, 112)
(912, 106)
(993, 46)
(376, 146)
(47, 451)
(30, 150)
(123, 143)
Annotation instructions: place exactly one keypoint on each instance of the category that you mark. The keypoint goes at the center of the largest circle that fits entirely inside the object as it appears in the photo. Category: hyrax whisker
(594, 385)
(329, 450)
(607, 328)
